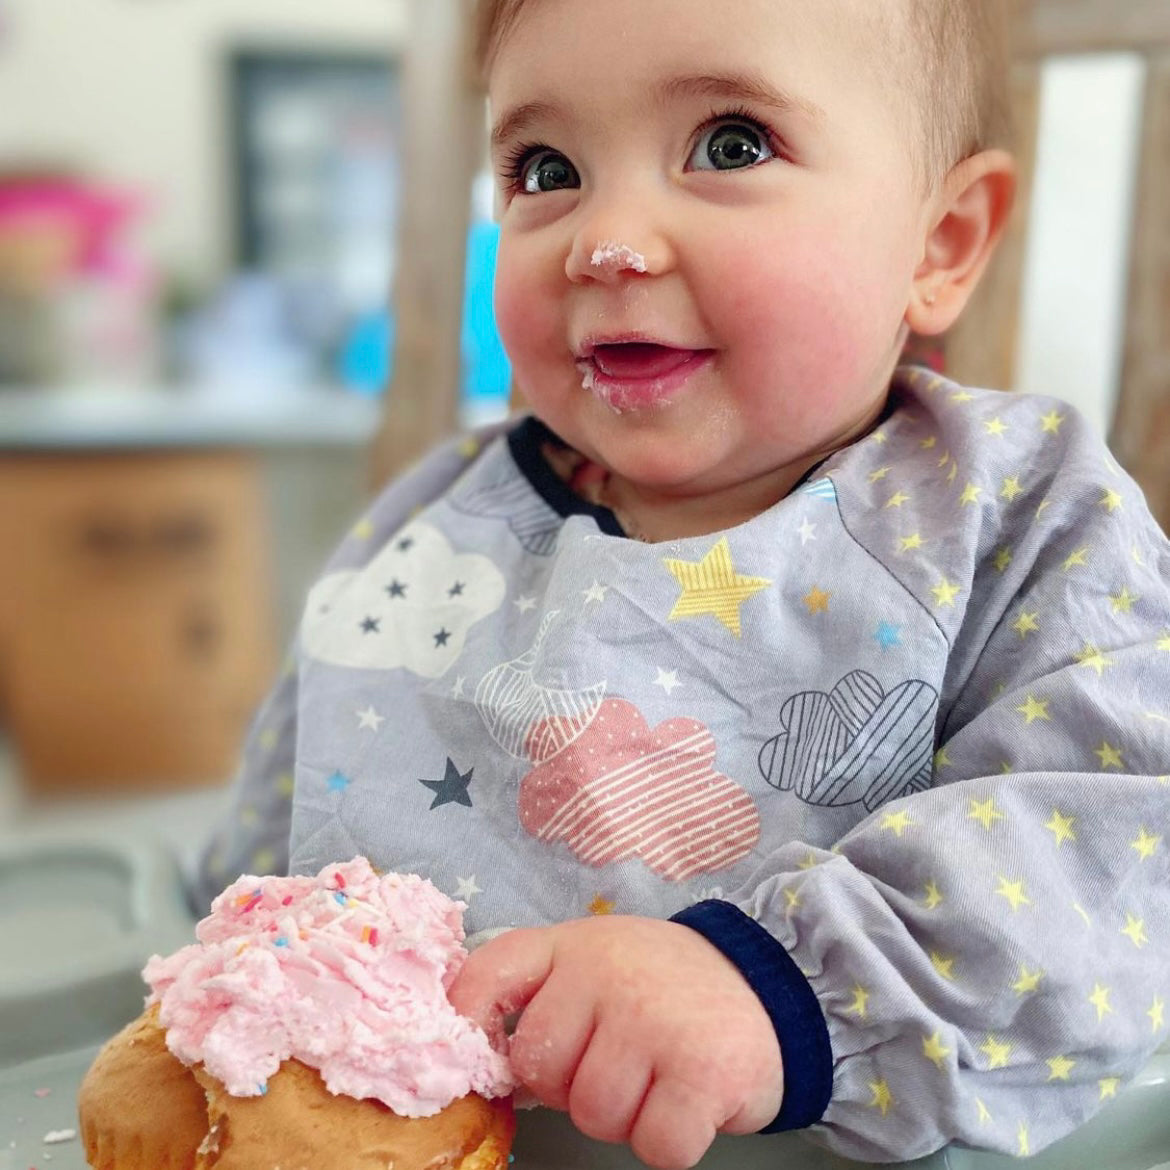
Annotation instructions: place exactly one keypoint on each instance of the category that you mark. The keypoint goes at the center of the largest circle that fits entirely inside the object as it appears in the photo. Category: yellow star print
(897, 500)
(954, 471)
(883, 1099)
(860, 1004)
(263, 861)
(996, 427)
(897, 823)
(1111, 501)
(1061, 828)
(1135, 930)
(1059, 1068)
(1025, 1150)
(362, 530)
(985, 1117)
(1109, 756)
(911, 543)
(712, 586)
(997, 1053)
(945, 593)
(934, 1049)
(1052, 422)
(1124, 601)
(942, 760)
(1146, 844)
(1011, 488)
(792, 900)
(1157, 1020)
(1028, 981)
(944, 966)
(880, 474)
(1080, 557)
(1026, 624)
(817, 601)
(1034, 709)
(600, 906)
(1003, 560)
(1109, 1086)
(1013, 892)
(1100, 1000)
(984, 812)
(929, 444)
(1164, 642)
(1093, 659)
(962, 397)
(934, 897)
(971, 494)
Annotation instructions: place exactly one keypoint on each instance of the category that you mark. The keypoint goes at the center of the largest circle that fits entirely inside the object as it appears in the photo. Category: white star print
(467, 889)
(807, 532)
(457, 689)
(369, 719)
(667, 680)
(595, 592)
(524, 604)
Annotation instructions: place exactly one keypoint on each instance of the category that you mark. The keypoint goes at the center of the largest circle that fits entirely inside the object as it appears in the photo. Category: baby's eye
(547, 171)
(731, 146)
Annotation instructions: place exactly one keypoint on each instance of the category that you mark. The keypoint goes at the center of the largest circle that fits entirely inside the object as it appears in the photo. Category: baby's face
(730, 184)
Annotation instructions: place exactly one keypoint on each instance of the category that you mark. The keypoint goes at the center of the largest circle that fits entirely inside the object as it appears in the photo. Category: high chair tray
(1133, 1133)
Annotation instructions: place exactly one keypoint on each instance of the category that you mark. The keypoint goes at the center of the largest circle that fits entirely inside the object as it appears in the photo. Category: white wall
(133, 90)
(1077, 261)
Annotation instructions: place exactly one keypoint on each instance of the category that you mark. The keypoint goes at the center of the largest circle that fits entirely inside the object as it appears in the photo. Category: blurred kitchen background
(229, 308)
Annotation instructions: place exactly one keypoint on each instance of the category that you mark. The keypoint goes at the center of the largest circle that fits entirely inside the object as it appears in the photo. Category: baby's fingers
(609, 1086)
(550, 1039)
(673, 1128)
(500, 977)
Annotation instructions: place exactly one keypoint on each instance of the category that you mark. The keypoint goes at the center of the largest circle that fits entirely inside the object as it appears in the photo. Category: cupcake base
(143, 1109)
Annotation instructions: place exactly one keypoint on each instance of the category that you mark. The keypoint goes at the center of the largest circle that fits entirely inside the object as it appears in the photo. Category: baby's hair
(951, 56)
(959, 60)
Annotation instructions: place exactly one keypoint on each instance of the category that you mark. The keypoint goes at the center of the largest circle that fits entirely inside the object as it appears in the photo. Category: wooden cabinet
(135, 615)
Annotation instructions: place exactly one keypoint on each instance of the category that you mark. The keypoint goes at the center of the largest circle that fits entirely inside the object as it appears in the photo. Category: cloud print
(622, 790)
(854, 743)
(412, 606)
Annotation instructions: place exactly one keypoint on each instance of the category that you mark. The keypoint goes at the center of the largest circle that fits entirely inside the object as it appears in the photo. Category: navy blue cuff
(790, 1002)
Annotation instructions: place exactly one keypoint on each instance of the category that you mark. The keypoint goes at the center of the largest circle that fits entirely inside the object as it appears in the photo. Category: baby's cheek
(816, 316)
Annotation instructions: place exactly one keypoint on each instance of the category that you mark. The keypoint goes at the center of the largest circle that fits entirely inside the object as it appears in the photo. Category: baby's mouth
(638, 360)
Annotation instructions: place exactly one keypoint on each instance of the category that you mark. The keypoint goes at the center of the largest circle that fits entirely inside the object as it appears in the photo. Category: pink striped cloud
(622, 790)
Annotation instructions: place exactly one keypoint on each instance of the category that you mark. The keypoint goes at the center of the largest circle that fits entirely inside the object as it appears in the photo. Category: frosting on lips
(347, 972)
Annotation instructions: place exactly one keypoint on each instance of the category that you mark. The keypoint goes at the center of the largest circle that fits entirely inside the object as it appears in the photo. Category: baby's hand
(641, 1029)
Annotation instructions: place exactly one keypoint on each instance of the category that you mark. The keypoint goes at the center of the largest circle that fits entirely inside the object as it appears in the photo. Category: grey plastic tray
(79, 918)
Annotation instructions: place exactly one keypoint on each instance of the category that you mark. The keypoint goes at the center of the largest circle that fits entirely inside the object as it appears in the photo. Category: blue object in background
(487, 373)
(367, 358)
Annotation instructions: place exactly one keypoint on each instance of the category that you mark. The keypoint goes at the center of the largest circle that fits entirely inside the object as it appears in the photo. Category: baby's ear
(970, 214)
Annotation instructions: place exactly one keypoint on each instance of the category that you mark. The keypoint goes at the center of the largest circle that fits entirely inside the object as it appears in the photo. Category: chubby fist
(640, 1029)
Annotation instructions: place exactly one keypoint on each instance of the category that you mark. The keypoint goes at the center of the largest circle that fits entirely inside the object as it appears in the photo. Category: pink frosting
(347, 972)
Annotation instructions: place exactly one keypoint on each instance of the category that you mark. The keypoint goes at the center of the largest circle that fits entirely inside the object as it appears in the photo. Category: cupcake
(307, 1029)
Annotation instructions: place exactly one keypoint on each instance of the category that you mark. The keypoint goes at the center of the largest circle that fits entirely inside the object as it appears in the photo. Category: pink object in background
(65, 256)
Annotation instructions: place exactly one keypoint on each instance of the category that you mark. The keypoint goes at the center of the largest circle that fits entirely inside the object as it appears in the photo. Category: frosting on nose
(616, 257)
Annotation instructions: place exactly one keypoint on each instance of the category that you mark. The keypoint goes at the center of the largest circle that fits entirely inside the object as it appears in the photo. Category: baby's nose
(605, 259)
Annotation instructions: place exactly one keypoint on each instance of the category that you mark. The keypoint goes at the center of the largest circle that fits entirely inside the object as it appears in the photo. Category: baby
(795, 723)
